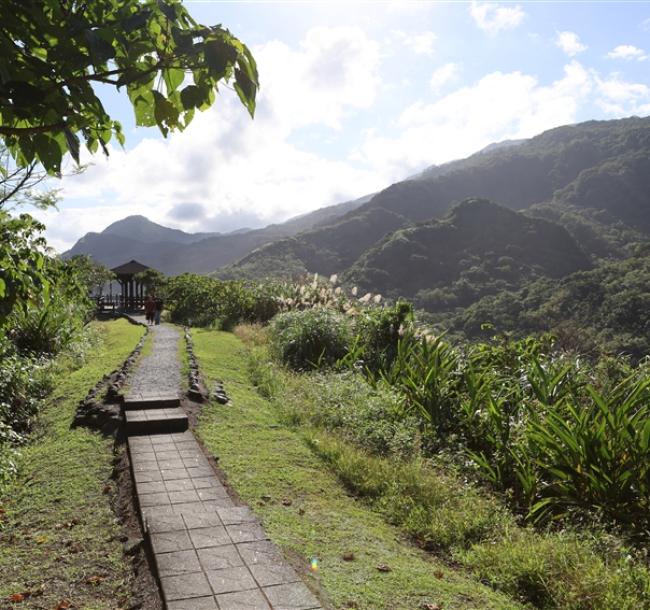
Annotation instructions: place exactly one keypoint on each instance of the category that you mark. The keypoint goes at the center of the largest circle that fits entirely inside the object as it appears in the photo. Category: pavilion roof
(130, 268)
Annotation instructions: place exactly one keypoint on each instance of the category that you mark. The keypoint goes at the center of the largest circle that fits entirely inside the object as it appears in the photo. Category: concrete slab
(230, 580)
(243, 600)
(293, 596)
(185, 586)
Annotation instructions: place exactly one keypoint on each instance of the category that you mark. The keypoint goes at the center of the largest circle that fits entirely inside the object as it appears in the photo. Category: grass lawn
(59, 537)
(308, 513)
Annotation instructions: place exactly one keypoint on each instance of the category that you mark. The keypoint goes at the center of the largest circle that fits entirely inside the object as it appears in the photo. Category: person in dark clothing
(149, 309)
(158, 309)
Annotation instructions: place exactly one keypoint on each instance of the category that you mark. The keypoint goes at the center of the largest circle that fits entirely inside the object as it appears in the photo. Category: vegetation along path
(209, 553)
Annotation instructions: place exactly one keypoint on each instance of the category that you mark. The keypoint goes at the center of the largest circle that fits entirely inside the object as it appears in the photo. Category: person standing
(158, 309)
(149, 309)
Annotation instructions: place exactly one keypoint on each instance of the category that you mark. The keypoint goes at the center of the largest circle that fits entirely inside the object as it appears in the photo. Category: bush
(371, 417)
(560, 571)
(379, 331)
(310, 339)
(437, 509)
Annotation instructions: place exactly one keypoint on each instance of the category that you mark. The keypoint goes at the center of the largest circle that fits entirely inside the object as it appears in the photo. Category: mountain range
(173, 251)
(516, 212)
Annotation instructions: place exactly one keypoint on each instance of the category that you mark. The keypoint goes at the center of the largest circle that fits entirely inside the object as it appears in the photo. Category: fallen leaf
(427, 606)
(64, 604)
(382, 567)
(94, 580)
(16, 597)
(348, 557)
(287, 502)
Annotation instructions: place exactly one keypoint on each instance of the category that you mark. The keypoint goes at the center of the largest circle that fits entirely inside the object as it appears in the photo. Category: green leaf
(73, 144)
(219, 55)
(173, 78)
(49, 152)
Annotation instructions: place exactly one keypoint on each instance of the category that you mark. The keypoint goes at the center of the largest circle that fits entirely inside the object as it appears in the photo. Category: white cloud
(570, 43)
(443, 75)
(627, 52)
(232, 166)
(492, 17)
(421, 44)
(619, 98)
(498, 106)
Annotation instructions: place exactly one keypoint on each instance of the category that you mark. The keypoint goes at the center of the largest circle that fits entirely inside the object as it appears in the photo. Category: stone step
(150, 400)
(155, 421)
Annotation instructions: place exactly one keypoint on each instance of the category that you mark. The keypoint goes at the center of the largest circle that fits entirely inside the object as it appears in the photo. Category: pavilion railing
(117, 302)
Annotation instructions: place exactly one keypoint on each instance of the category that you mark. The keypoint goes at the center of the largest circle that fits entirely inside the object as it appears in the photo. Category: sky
(355, 96)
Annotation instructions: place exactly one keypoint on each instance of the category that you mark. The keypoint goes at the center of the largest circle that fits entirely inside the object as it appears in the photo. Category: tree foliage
(52, 52)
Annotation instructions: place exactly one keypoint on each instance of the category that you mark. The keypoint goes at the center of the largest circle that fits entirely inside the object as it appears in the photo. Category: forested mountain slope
(593, 178)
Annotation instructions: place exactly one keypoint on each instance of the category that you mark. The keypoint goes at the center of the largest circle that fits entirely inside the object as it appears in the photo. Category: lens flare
(313, 563)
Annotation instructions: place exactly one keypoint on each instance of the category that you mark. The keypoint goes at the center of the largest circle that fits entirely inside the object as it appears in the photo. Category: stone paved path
(209, 553)
(160, 371)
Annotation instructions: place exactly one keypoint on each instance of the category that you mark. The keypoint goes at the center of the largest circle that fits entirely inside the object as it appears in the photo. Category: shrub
(438, 509)
(379, 331)
(371, 417)
(560, 571)
(310, 339)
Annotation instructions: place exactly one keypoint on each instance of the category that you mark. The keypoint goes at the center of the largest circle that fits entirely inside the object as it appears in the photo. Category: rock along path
(209, 553)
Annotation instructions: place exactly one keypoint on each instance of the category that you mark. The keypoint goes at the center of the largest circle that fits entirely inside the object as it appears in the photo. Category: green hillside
(592, 178)
(479, 248)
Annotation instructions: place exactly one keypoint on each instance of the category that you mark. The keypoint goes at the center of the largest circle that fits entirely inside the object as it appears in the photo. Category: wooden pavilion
(132, 292)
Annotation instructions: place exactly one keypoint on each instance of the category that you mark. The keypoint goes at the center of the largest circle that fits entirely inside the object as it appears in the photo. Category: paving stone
(195, 520)
(168, 542)
(185, 586)
(273, 574)
(187, 444)
(259, 552)
(166, 454)
(219, 557)
(230, 580)
(179, 485)
(189, 507)
(165, 523)
(174, 473)
(204, 537)
(177, 562)
(212, 493)
(170, 464)
(190, 453)
(205, 482)
(159, 499)
(246, 532)
(180, 436)
(146, 466)
(237, 514)
(196, 603)
(151, 488)
(144, 451)
(293, 596)
(179, 497)
(243, 600)
(148, 476)
(152, 511)
(199, 472)
(218, 503)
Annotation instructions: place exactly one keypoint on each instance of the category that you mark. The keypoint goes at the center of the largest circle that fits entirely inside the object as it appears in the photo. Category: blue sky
(357, 95)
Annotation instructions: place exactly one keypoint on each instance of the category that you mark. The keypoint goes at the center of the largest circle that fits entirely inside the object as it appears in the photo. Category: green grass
(308, 512)
(59, 538)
